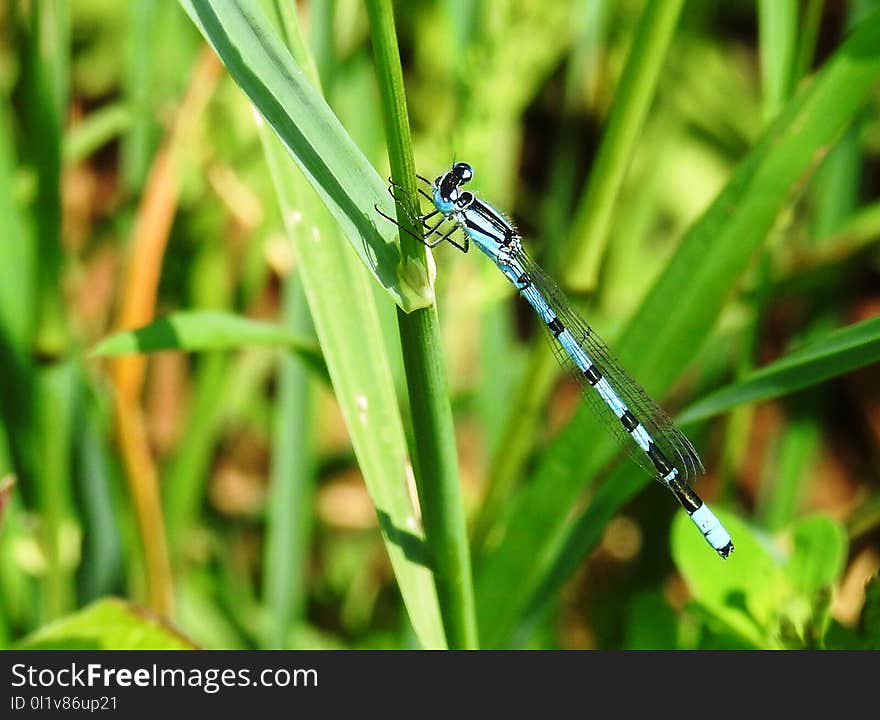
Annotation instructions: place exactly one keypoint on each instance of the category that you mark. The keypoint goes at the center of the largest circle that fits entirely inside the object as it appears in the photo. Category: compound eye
(464, 171)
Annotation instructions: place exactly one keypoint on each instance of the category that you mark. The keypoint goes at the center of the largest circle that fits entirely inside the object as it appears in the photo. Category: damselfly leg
(422, 219)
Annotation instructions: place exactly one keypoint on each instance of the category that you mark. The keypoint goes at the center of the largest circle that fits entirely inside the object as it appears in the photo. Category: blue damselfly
(460, 217)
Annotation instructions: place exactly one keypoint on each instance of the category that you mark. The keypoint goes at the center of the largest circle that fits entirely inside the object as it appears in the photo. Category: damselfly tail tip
(726, 550)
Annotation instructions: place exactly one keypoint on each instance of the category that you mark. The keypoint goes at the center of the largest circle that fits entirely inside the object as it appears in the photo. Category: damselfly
(656, 443)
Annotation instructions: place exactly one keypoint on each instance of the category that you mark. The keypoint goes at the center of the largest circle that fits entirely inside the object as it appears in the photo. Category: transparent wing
(668, 438)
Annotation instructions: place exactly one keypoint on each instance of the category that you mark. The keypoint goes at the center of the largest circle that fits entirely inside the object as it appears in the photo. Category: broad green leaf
(201, 330)
(773, 592)
(746, 590)
(676, 317)
(817, 559)
(818, 555)
(838, 353)
(343, 178)
(108, 624)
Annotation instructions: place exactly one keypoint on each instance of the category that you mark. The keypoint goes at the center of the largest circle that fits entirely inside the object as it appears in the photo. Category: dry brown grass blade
(137, 307)
(6, 485)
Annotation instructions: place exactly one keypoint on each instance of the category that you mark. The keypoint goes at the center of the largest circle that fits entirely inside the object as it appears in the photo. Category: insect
(646, 430)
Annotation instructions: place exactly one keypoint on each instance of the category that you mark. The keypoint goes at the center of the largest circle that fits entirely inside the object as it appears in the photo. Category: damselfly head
(450, 182)
(463, 172)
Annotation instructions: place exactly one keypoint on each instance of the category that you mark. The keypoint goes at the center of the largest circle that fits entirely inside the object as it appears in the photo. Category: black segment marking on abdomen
(629, 421)
(659, 459)
(556, 327)
(688, 498)
(592, 374)
(524, 281)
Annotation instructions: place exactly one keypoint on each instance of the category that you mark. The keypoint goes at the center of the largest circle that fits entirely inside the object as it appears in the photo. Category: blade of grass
(47, 80)
(18, 315)
(17, 254)
(216, 378)
(582, 535)
(96, 130)
(840, 352)
(791, 470)
(53, 402)
(434, 458)
(201, 330)
(520, 432)
(809, 34)
(777, 46)
(585, 246)
(836, 187)
(137, 144)
(343, 309)
(339, 172)
(224, 389)
(341, 303)
(100, 571)
(777, 29)
(321, 39)
(46, 88)
(678, 314)
(289, 512)
(821, 265)
(292, 485)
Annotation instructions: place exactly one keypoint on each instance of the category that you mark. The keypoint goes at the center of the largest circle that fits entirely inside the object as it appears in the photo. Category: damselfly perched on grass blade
(657, 444)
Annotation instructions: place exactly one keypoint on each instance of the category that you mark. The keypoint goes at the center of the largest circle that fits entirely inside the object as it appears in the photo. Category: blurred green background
(703, 177)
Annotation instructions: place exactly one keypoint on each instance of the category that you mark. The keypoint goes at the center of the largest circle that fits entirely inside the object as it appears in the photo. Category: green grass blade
(582, 535)
(589, 235)
(685, 302)
(96, 130)
(201, 330)
(17, 254)
(789, 475)
(136, 147)
(838, 353)
(809, 35)
(47, 78)
(223, 390)
(342, 306)
(778, 34)
(53, 398)
(289, 511)
(435, 461)
(100, 571)
(347, 184)
(678, 314)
